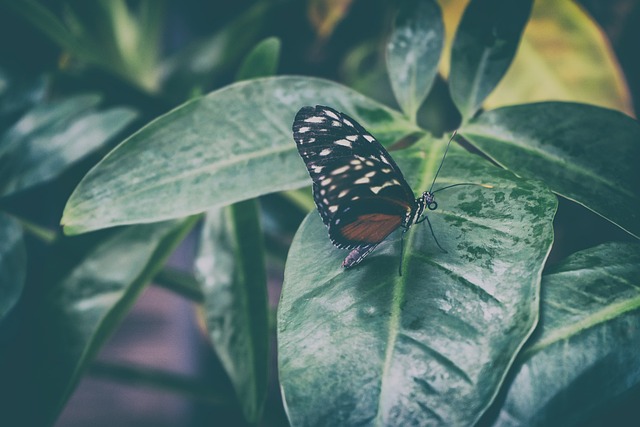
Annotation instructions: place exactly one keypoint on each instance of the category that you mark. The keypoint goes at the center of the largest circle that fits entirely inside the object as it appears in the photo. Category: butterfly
(358, 189)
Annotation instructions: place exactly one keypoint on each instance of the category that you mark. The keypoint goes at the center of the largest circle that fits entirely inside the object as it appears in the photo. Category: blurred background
(196, 47)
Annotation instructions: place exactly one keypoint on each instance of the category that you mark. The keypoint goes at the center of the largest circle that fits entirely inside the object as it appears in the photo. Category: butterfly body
(358, 189)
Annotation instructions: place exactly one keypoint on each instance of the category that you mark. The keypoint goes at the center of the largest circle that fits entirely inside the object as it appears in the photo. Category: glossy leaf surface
(582, 152)
(51, 137)
(233, 144)
(413, 53)
(590, 312)
(231, 270)
(86, 304)
(369, 347)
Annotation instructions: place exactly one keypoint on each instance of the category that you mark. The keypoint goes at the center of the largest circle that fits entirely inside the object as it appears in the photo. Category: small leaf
(369, 347)
(13, 263)
(51, 137)
(584, 354)
(582, 152)
(86, 304)
(413, 53)
(262, 61)
(483, 48)
(231, 145)
(231, 270)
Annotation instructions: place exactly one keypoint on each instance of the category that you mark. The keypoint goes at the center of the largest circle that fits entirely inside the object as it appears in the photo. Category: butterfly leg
(404, 230)
(432, 233)
(356, 256)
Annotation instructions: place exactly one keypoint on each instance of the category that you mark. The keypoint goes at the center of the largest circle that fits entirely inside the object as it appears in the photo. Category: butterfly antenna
(455, 132)
(463, 183)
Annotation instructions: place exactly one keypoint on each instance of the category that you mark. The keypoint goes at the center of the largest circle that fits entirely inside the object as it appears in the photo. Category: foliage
(489, 332)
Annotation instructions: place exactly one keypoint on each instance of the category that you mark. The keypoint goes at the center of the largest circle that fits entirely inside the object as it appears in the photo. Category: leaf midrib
(399, 292)
(210, 168)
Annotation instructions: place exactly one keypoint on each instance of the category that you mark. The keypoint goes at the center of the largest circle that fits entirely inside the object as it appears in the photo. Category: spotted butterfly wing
(359, 190)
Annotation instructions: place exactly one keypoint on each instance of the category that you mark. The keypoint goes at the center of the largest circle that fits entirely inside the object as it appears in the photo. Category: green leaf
(413, 52)
(86, 304)
(231, 145)
(262, 61)
(431, 347)
(584, 354)
(584, 153)
(484, 46)
(13, 263)
(231, 270)
(51, 137)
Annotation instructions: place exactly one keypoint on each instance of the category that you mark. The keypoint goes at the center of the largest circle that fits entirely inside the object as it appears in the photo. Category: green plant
(486, 333)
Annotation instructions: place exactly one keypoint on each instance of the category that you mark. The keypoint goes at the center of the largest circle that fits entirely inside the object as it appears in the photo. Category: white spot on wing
(362, 181)
(325, 182)
(317, 169)
(325, 152)
(331, 114)
(333, 208)
(376, 190)
(348, 123)
(343, 142)
(304, 129)
(315, 119)
(369, 138)
(343, 193)
(340, 170)
(352, 138)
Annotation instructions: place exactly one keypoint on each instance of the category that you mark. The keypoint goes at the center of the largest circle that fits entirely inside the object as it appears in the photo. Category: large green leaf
(86, 304)
(50, 137)
(231, 270)
(584, 153)
(483, 48)
(585, 351)
(431, 347)
(413, 53)
(13, 263)
(231, 145)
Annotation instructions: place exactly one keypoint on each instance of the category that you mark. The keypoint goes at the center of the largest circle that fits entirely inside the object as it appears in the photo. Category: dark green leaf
(85, 305)
(262, 61)
(485, 44)
(233, 144)
(50, 137)
(231, 269)
(413, 52)
(585, 352)
(584, 153)
(13, 263)
(431, 347)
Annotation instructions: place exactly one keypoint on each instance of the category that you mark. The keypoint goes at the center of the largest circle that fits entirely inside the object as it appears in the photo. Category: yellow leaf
(563, 56)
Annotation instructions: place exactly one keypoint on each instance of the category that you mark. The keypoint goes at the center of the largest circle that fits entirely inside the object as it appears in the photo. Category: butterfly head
(428, 200)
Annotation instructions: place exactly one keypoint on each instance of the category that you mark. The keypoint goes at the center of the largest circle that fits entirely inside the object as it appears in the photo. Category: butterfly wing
(359, 190)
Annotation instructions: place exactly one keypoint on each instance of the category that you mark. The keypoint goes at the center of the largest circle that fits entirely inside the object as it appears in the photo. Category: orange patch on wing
(371, 228)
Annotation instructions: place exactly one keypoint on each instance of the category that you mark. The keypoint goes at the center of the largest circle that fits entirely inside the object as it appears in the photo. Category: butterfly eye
(432, 206)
